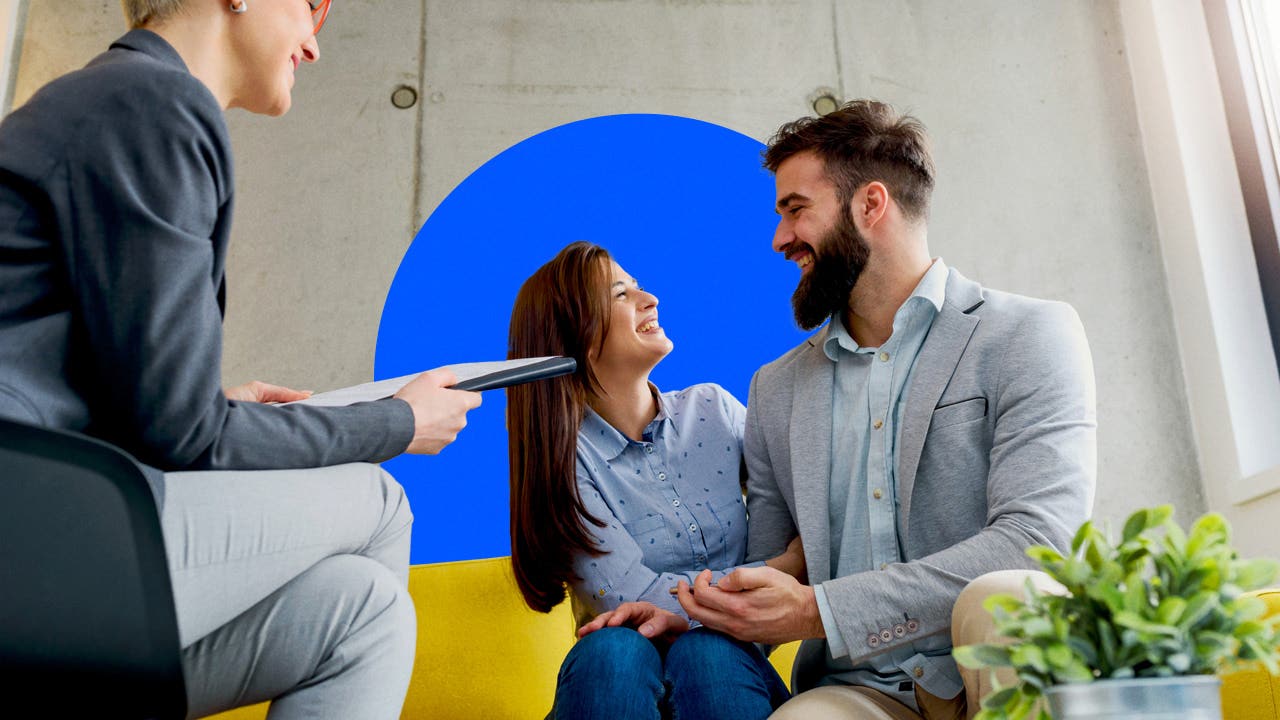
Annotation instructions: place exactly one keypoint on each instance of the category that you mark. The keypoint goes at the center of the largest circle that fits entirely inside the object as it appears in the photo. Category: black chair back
(87, 622)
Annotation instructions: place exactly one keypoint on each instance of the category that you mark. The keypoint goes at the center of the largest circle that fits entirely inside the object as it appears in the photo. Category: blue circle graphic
(683, 205)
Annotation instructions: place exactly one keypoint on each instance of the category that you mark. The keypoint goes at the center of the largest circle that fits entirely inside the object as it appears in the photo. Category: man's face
(818, 234)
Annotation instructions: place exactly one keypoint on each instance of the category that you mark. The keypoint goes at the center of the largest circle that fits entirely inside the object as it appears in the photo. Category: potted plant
(1143, 627)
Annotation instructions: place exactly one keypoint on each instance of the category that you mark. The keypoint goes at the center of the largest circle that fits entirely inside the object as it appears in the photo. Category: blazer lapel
(934, 367)
(811, 456)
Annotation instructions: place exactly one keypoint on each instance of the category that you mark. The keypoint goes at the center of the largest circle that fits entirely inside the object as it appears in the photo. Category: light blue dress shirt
(672, 502)
(868, 396)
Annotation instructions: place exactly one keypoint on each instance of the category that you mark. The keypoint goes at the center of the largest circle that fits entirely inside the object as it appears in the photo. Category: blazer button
(886, 635)
(873, 640)
(913, 625)
(899, 630)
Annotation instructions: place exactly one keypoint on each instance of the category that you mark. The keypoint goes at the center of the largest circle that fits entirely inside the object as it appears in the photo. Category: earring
(244, 5)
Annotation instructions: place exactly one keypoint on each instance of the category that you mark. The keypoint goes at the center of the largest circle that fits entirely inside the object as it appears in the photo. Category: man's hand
(261, 392)
(438, 412)
(791, 561)
(754, 604)
(648, 619)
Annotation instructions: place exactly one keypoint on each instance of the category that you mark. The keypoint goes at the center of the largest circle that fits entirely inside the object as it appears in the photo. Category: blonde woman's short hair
(141, 12)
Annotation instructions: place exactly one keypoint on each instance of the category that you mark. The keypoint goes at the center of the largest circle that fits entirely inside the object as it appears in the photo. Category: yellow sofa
(482, 654)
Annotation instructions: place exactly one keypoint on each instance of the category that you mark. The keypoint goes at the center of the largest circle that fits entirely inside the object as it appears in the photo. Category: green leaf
(1029, 656)
(1200, 605)
(978, 656)
(1253, 574)
(1044, 555)
(1170, 610)
(1003, 601)
(999, 698)
(1058, 655)
(1134, 526)
(1136, 622)
(1160, 515)
(1081, 535)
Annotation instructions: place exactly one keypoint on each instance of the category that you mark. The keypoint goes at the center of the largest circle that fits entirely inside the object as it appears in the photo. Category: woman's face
(269, 42)
(635, 342)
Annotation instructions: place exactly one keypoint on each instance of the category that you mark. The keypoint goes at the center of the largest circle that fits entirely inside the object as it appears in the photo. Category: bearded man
(929, 434)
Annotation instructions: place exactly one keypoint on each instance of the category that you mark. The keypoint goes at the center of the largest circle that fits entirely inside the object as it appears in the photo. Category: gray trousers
(291, 586)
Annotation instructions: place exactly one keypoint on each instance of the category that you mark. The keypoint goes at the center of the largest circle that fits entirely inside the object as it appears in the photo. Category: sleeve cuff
(399, 429)
(835, 641)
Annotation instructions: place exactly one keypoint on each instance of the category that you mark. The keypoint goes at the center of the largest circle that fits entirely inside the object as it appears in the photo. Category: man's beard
(824, 290)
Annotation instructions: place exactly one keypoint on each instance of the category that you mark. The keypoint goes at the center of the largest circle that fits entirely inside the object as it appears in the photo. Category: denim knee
(702, 651)
(611, 674)
(613, 652)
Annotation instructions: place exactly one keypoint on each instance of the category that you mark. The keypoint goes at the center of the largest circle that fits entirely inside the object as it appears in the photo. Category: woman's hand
(439, 413)
(648, 619)
(260, 392)
(791, 561)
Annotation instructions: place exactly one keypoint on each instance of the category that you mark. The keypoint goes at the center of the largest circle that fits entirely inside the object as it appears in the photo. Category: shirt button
(877, 493)
(676, 503)
(884, 565)
(877, 424)
(662, 476)
(649, 449)
(884, 357)
(601, 593)
(918, 672)
(693, 528)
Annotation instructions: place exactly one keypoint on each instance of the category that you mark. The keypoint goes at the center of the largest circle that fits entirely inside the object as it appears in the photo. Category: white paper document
(380, 389)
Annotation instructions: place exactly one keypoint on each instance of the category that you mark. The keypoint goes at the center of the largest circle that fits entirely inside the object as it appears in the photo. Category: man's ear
(869, 205)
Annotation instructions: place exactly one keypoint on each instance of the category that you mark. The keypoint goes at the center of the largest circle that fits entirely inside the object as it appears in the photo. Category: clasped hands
(761, 604)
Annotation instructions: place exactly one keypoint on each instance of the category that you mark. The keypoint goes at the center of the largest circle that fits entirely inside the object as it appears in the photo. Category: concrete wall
(1042, 187)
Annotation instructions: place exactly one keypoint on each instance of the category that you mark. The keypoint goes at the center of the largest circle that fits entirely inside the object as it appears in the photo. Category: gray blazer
(997, 452)
(116, 197)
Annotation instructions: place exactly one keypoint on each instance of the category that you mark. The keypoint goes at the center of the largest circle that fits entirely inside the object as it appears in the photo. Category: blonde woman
(288, 549)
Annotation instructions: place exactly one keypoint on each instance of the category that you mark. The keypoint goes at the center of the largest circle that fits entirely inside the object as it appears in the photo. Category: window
(1245, 35)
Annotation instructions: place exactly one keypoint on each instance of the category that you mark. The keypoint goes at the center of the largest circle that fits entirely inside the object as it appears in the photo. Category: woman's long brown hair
(562, 309)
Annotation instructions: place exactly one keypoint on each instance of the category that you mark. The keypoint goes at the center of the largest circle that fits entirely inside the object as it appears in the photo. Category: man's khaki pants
(970, 624)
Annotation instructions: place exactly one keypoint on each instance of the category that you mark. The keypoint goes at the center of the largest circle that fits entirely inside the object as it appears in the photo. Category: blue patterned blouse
(672, 503)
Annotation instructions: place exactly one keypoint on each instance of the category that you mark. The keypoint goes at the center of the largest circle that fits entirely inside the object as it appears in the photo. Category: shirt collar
(932, 288)
(152, 45)
(610, 441)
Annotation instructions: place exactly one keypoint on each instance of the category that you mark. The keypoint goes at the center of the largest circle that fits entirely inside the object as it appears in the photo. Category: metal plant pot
(1190, 697)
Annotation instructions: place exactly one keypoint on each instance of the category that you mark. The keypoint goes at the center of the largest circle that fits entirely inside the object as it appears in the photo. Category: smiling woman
(620, 492)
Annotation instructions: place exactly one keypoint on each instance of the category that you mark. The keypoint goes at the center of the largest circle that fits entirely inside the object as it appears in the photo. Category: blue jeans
(618, 674)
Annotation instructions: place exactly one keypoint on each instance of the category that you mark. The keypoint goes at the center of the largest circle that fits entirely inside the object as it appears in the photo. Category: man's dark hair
(864, 140)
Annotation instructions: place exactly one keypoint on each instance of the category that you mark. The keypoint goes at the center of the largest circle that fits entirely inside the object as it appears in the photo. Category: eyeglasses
(319, 11)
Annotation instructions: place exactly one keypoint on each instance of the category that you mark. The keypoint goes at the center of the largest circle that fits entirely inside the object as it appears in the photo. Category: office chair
(87, 623)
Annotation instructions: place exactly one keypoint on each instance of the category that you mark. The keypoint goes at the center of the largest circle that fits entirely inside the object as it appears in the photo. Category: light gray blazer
(997, 452)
